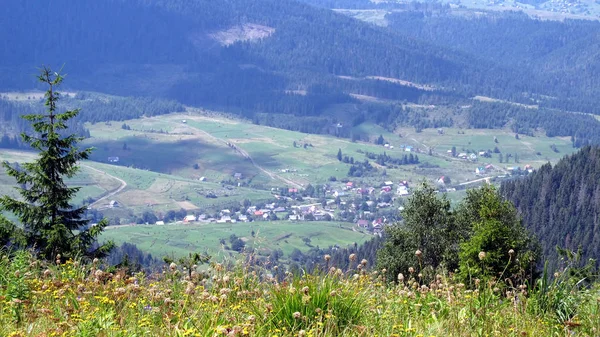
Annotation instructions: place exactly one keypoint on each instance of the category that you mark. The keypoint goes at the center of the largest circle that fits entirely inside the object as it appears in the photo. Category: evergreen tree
(50, 224)
(339, 155)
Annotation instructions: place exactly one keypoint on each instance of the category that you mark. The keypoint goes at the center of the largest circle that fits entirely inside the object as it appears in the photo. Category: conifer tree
(50, 224)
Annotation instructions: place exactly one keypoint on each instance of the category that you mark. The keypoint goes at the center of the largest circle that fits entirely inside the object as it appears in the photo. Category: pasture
(180, 239)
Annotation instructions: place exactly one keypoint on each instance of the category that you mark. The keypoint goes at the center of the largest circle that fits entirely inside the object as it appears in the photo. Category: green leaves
(483, 223)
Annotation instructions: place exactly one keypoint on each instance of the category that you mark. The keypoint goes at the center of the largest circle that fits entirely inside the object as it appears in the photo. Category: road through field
(119, 189)
(244, 154)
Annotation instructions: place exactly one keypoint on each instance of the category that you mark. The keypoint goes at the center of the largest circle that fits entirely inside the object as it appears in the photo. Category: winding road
(110, 194)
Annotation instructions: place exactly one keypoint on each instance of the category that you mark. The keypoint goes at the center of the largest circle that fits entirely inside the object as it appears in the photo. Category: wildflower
(305, 290)
(411, 270)
(352, 257)
(511, 252)
(99, 273)
(481, 256)
(251, 318)
(120, 291)
(418, 253)
(333, 293)
(400, 277)
(363, 262)
(296, 315)
(301, 333)
(327, 257)
(172, 266)
(47, 273)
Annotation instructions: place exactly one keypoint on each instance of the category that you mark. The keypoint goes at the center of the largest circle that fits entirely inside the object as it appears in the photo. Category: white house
(189, 218)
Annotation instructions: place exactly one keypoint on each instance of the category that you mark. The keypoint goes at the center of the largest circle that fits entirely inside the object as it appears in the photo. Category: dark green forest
(561, 204)
(164, 48)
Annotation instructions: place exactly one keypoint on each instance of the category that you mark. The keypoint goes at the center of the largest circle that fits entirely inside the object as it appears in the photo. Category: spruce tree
(50, 224)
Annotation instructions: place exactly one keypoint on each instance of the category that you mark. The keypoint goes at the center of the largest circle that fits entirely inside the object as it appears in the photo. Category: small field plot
(92, 183)
(180, 239)
(147, 190)
(182, 151)
(529, 150)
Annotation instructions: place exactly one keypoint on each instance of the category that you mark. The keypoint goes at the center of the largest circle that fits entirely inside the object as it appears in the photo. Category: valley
(226, 171)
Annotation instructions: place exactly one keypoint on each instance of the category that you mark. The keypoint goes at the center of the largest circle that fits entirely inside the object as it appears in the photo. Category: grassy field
(145, 190)
(203, 140)
(483, 139)
(180, 239)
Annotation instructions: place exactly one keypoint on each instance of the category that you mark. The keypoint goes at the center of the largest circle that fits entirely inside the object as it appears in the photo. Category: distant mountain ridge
(204, 53)
(165, 48)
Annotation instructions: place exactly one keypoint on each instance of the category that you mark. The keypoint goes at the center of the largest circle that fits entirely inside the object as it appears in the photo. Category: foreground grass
(83, 300)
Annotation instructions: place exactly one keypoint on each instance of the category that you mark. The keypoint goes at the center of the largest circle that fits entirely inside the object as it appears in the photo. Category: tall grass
(73, 299)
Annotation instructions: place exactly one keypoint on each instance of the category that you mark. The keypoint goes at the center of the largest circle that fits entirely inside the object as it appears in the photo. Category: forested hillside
(561, 204)
(267, 56)
(560, 54)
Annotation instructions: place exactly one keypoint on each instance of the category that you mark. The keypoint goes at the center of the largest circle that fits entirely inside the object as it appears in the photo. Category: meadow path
(244, 154)
(119, 189)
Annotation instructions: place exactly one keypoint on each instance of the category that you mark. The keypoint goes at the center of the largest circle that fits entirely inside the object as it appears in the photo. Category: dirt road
(119, 189)
(246, 155)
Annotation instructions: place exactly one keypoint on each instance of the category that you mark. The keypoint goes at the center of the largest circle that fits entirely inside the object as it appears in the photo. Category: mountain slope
(172, 49)
(561, 204)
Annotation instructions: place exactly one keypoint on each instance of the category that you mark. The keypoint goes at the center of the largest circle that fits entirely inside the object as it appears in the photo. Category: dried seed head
(172, 266)
(411, 270)
(364, 262)
(511, 252)
(481, 256)
(352, 257)
(401, 277)
(418, 253)
(296, 315)
(327, 257)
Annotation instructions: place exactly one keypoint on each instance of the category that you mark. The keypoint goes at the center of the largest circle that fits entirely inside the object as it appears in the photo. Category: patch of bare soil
(246, 32)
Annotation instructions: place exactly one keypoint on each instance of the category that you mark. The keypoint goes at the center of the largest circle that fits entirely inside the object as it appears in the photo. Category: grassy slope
(145, 190)
(180, 239)
(203, 139)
